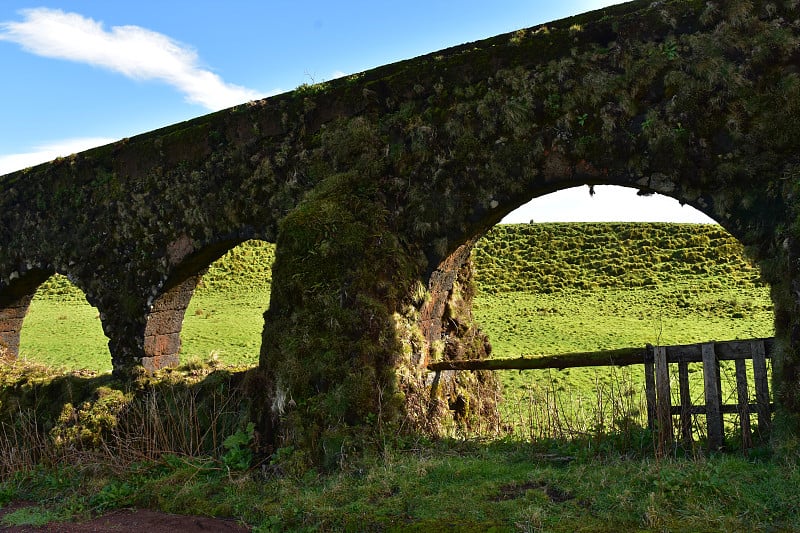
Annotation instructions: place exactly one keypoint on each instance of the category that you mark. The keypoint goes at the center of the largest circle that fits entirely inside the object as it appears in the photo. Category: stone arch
(62, 329)
(16, 300)
(165, 316)
(232, 295)
(14, 303)
(446, 319)
(455, 268)
(616, 277)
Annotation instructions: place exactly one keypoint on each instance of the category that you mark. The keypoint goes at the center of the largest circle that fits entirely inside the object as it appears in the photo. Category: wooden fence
(659, 402)
(656, 361)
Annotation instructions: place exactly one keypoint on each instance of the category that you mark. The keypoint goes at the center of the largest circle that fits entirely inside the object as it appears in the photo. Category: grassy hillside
(224, 319)
(553, 288)
(545, 258)
(556, 288)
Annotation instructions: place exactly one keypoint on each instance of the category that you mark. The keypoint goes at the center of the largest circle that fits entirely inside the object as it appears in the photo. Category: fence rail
(620, 357)
(656, 361)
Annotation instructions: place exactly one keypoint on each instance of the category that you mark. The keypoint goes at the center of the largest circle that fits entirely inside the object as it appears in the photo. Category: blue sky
(77, 74)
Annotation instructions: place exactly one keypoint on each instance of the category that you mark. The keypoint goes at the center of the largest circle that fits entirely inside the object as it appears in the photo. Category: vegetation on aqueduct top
(570, 454)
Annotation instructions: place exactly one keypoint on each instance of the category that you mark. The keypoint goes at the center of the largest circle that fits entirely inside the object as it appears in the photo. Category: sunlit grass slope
(555, 288)
(224, 319)
(545, 258)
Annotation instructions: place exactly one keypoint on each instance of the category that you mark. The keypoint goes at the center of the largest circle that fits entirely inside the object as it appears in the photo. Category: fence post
(711, 381)
(686, 404)
(650, 387)
(762, 387)
(743, 399)
(663, 400)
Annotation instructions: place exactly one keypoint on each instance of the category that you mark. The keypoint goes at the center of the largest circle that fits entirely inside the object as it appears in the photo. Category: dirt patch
(130, 520)
(513, 491)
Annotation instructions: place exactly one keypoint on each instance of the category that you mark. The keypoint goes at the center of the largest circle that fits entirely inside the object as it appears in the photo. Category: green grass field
(497, 487)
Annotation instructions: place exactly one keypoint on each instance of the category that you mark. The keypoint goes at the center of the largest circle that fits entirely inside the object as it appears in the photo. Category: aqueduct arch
(63, 330)
(526, 273)
(164, 318)
(15, 305)
(373, 186)
(448, 320)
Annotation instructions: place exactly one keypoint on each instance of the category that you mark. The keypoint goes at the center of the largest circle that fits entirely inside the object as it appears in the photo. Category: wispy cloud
(133, 51)
(48, 152)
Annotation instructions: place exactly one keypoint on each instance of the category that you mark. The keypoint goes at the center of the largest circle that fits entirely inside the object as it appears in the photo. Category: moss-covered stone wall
(374, 186)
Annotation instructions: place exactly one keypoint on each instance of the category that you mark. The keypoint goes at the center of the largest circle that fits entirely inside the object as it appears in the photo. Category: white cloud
(48, 152)
(129, 50)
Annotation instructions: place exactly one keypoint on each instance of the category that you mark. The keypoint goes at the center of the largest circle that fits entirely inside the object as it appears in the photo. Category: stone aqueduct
(375, 186)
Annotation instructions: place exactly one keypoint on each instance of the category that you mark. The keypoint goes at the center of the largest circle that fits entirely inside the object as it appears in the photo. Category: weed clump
(49, 418)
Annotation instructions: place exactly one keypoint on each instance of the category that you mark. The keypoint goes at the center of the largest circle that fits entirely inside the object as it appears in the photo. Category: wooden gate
(659, 400)
(657, 361)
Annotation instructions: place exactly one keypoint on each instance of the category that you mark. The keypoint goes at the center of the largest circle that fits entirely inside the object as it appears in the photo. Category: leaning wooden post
(743, 401)
(663, 399)
(650, 386)
(711, 381)
(686, 404)
(762, 387)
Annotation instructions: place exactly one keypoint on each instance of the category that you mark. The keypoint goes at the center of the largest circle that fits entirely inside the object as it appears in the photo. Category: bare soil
(130, 520)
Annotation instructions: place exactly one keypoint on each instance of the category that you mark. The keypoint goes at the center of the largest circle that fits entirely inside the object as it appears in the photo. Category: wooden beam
(743, 400)
(688, 353)
(663, 401)
(650, 387)
(724, 350)
(619, 357)
(686, 405)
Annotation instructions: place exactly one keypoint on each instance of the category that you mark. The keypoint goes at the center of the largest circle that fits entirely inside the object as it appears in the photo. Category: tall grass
(186, 414)
(560, 460)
